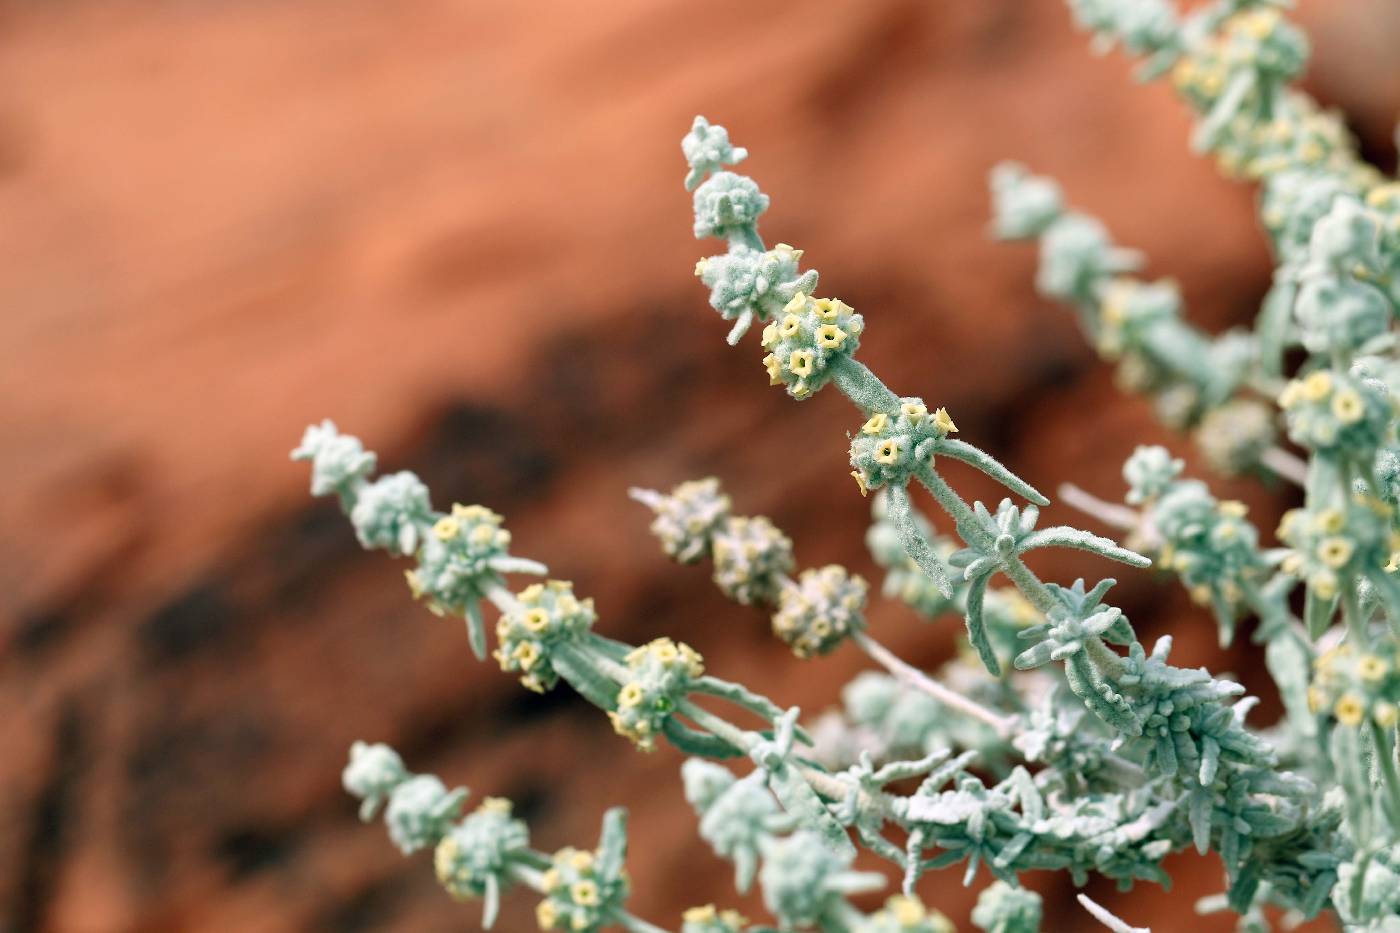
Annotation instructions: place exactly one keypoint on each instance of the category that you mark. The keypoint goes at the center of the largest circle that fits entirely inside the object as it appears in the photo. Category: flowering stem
(534, 879)
(1004, 726)
(1384, 740)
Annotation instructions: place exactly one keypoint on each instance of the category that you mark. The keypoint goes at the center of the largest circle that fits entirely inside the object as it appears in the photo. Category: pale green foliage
(1057, 740)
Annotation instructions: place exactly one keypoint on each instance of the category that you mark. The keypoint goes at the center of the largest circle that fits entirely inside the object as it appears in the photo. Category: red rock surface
(457, 228)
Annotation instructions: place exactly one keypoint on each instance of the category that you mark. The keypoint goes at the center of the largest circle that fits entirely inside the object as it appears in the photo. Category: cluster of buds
(748, 285)
(1234, 436)
(660, 675)
(727, 205)
(1356, 685)
(903, 914)
(804, 880)
(821, 610)
(476, 854)
(751, 559)
(420, 807)
(392, 513)
(1239, 71)
(339, 462)
(807, 342)
(890, 446)
(1077, 257)
(1336, 414)
(581, 895)
(459, 558)
(1130, 309)
(545, 617)
(687, 517)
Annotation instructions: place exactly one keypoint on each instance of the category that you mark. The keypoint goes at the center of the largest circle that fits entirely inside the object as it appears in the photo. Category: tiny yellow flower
(876, 424)
(1371, 668)
(888, 452)
(527, 654)
(630, 695)
(585, 893)
(700, 267)
(1330, 521)
(800, 363)
(1385, 714)
(944, 421)
(550, 880)
(830, 337)
(1316, 699)
(700, 914)
(770, 363)
(1323, 584)
(770, 336)
(483, 535)
(790, 326)
(1349, 710)
(415, 583)
(1317, 386)
(1348, 407)
(861, 482)
(1335, 552)
(793, 252)
(536, 620)
(906, 910)
(1233, 508)
(914, 411)
(495, 805)
(1291, 395)
(664, 650)
(797, 305)
(546, 915)
(446, 528)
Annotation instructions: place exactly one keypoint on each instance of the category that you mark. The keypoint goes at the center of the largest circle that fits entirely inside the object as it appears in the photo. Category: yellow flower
(830, 336)
(1330, 521)
(790, 326)
(446, 528)
(944, 421)
(770, 336)
(906, 910)
(860, 481)
(700, 266)
(536, 620)
(1323, 584)
(1385, 714)
(1335, 552)
(914, 411)
(1348, 407)
(527, 654)
(800, 363)
(1316, 699)
(415, 583)
(1317, 386)
(888, 452)
(876, 424)
(1291, 395)
(1371, 668)
(770, 363)
(793, 252)
(584, 892)
(495, 805)
(1383, 196)
(1233, 508)
(630, 695)
(545, 915)
(1257, 24)
(483, 535)
(1349, 710)
(700, 914)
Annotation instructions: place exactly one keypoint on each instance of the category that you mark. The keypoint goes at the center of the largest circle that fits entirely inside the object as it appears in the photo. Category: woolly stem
(1110, 513)
(1004, 726)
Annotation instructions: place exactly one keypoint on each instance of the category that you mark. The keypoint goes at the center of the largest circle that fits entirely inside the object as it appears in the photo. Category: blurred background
(458, 229)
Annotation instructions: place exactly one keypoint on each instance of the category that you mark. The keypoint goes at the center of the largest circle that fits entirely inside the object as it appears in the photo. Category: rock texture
(457, 228)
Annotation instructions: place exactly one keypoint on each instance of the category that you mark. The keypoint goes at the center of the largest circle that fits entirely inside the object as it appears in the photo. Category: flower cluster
(809, 341)
(1336, 414)
(476, 854)
(890, 446)
(1356, 685)
(581, 892)
(822, 609)
(903, 914)
(545, 620)
(660, 675)
(459, 558)
(687, 517)
(747, 285)
(420, 807)
(1333, 545)
(726, 205)
(752, 557)
(708, 919)
(339, 462)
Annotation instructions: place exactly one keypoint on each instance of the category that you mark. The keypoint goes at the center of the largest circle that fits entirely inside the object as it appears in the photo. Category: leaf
(900, 512)
(981, 460)
(976, 625)
(1064, 536)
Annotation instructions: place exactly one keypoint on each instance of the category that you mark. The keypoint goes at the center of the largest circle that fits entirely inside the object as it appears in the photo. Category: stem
(1110, 513)
(500, 597)
(716, 725)
(1286, 465)
(1004, 726)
